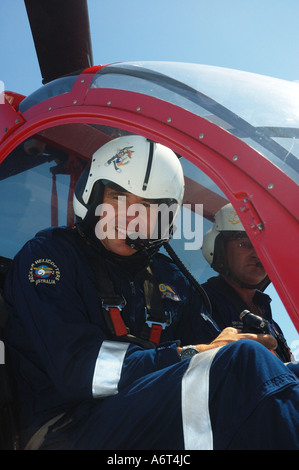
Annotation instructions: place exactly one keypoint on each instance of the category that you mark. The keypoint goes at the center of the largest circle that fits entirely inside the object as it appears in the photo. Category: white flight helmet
(227, 225)
(140, 166)
(227, 222)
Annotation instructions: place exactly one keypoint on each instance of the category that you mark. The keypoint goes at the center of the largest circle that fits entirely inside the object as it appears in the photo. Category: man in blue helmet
(113, 348)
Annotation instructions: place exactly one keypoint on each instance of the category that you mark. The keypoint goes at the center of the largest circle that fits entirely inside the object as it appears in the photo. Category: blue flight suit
(227, 306)
(110, 394)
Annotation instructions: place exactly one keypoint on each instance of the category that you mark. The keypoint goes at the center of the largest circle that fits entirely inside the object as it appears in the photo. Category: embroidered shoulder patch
(168, 292)
(44, 271)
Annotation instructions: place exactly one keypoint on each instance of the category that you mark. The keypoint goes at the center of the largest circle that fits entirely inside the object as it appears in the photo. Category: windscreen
(262, 111)
(38, 178)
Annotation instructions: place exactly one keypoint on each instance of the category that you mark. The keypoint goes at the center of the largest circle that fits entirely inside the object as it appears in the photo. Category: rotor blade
(61, 34)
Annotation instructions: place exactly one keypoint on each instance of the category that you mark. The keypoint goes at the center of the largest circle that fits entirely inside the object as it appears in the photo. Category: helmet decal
(141, 167)
(122, 157)
(234, 218)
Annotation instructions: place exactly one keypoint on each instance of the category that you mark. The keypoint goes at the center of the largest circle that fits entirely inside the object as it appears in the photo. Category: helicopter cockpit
(236, 134)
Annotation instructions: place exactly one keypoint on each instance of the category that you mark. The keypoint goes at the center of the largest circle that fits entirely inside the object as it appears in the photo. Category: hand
(230, 335)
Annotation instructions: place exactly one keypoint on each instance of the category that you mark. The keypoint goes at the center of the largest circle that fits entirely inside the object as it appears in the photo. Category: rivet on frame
(75, 102)
(138, 108)
(235, 158)
(270, 186)
(109, 103)
(201, 136)
(169, 119)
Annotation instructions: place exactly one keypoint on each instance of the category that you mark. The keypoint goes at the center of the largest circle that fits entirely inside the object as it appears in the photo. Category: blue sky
(260, 36)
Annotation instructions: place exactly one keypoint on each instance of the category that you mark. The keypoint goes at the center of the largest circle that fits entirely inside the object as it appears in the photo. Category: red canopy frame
(253, 184)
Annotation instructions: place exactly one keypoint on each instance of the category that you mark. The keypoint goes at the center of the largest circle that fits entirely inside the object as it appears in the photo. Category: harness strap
(117, 321)
(112, 304)
(155, 333)
(156, 317)
(112, 313)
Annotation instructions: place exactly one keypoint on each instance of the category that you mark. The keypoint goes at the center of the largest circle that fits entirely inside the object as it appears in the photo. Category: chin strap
(148, 246)
(260, 286)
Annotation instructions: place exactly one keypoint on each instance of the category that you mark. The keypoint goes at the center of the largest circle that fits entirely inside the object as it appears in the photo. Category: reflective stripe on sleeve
(108, 368)
(198, 434)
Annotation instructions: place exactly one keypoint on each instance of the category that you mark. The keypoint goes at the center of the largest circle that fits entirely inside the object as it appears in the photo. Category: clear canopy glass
(37, 177)
(262, 111)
